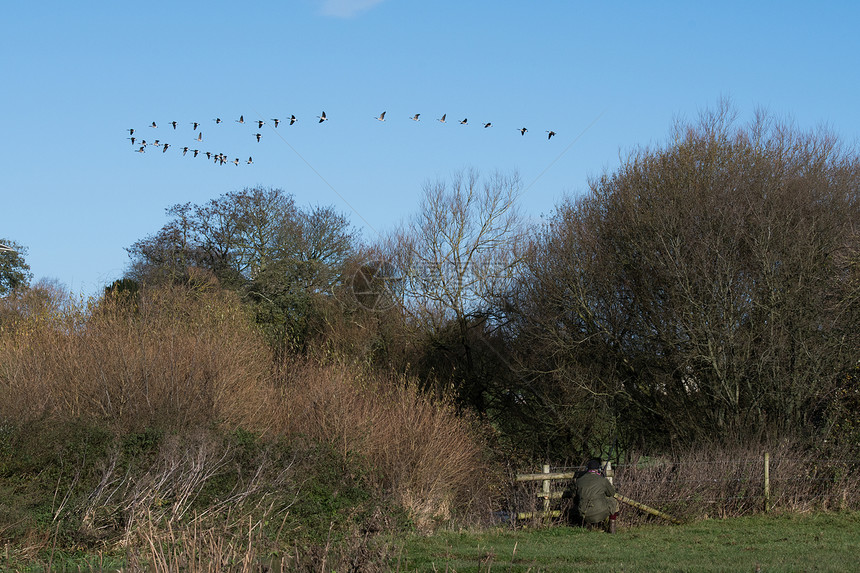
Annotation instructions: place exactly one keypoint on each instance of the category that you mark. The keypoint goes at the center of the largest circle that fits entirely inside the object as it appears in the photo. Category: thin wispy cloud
(347, 8)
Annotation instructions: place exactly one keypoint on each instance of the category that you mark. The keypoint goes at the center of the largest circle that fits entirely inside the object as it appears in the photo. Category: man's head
(593, 464)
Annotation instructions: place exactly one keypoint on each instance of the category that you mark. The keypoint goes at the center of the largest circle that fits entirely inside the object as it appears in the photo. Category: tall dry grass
(165, 490)
(172, 359)
(423, 452)
(727, 481)
(241, 546)
(190, 364)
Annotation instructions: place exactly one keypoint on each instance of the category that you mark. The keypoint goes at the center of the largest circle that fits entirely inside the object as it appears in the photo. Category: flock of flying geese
(464, 121)
(141, 144)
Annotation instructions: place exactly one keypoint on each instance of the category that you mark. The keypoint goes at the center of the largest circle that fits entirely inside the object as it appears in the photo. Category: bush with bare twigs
(422, 452)
(173, 358)
(143, 416)
(729, 482)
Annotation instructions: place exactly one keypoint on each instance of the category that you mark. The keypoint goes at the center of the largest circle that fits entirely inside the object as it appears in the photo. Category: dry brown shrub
(174, 358)
(178, 358)
(723, 482)
(425, 455)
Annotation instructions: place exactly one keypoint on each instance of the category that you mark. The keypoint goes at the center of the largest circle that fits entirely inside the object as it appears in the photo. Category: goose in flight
(322, 117)
(292, 119)
(258, 136)
(250, 161)
(522, 130)
(152, 124)
(415, 117)
(551, 133)
(381, 116)
(196, 152)
(241, 119)
(130, 131)
(194, 125)
(260, 124)
(200, 136)
(217, 120)
(488, 124)
(132, 140)
(442, 119)
(464, 121)
(236, 161)
(164, 150)
(173, 123)
(277, 121)
(142, 149)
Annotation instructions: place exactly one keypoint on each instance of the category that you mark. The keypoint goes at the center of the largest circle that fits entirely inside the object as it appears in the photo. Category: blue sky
(605, 76)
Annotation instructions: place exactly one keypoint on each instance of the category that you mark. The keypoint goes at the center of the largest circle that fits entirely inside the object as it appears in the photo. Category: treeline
(705, 291)
(708, 289)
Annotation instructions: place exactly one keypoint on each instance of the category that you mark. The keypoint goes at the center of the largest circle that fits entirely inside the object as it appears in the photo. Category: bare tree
(462, 247)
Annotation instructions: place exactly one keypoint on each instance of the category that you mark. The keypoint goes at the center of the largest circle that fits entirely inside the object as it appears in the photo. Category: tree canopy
(706, 289)
(258, 242)
(14, 270)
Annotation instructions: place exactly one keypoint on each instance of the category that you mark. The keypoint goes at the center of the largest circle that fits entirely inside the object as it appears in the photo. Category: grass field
(814, 542)
(791, 542)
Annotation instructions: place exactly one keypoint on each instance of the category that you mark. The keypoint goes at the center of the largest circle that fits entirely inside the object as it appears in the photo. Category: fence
(698, 487)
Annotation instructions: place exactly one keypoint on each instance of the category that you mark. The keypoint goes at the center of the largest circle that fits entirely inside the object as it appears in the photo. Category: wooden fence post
(766, 482)
(546, 491)
(545, 477)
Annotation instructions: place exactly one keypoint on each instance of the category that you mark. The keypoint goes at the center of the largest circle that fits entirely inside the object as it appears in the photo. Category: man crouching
(595, 497)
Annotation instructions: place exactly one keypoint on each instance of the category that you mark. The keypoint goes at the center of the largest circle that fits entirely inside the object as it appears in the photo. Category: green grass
(819, 542)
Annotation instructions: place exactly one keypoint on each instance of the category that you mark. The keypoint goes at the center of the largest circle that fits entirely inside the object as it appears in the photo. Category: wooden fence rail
(546, 493)
(546, 477)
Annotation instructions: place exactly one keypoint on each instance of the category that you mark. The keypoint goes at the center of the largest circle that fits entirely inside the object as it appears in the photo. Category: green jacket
(595, 497)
